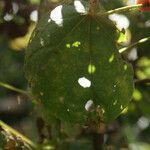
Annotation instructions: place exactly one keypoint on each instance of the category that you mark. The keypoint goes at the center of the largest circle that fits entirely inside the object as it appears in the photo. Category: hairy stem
(17, 134)
(10, 87)
(134, 44)
(120, 10)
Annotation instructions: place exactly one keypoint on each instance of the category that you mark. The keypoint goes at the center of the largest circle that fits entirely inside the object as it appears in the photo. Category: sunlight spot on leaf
(111, 58)
(115, 86)
(84, 82)
(68, 110)
(48, 147)
(137, 95)
(79, 6)
(103, 110)
(125, 67)
(97, 28)
(121, 107)
(89, 106)
(122, 38)
(61, 99)
(68, 45)
(91, 68)
(56, 15)
(41, 93)
(76, 44)
(115, 102)
(41, 42)
(114, 90)
(124, 110)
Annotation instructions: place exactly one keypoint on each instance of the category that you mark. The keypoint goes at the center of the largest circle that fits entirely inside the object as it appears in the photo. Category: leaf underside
(81, 47)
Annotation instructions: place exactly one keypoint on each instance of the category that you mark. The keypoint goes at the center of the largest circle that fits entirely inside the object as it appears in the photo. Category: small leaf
(77, 62)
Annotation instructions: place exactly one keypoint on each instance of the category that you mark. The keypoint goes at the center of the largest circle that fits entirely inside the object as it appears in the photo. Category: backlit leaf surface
(72, 60)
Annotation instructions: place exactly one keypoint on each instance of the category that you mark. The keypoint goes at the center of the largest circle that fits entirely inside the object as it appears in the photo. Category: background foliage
(129, 130)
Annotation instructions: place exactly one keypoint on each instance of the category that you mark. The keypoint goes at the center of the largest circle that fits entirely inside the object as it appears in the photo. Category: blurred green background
(18, 18)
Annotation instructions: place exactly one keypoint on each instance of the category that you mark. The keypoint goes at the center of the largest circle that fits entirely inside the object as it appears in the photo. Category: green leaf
(72, 62)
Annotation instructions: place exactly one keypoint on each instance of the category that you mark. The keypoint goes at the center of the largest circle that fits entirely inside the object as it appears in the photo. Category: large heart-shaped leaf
(74, 68)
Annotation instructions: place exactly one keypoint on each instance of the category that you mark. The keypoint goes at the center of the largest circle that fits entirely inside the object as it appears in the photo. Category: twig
(10, 87)
(144, 81)
(17, 134)
(134, 44)
(121, 9)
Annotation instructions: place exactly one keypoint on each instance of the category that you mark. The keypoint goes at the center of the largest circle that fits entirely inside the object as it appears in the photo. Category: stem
(93, 7)
(10, 87)
(134, 44)
(17, 134)
(122, 9)
(144, 81)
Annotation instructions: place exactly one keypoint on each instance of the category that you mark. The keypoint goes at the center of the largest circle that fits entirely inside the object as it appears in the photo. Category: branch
(122, 9)
(134, 44)
(17, 134)
(144, 81)
(10, 87)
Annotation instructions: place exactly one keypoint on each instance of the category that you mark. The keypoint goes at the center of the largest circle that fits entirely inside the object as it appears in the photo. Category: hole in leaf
(121, 21)
(79, 6)
(89, 106)
(56, 15)
(84, 82)
(133, 55)
(34, 16)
